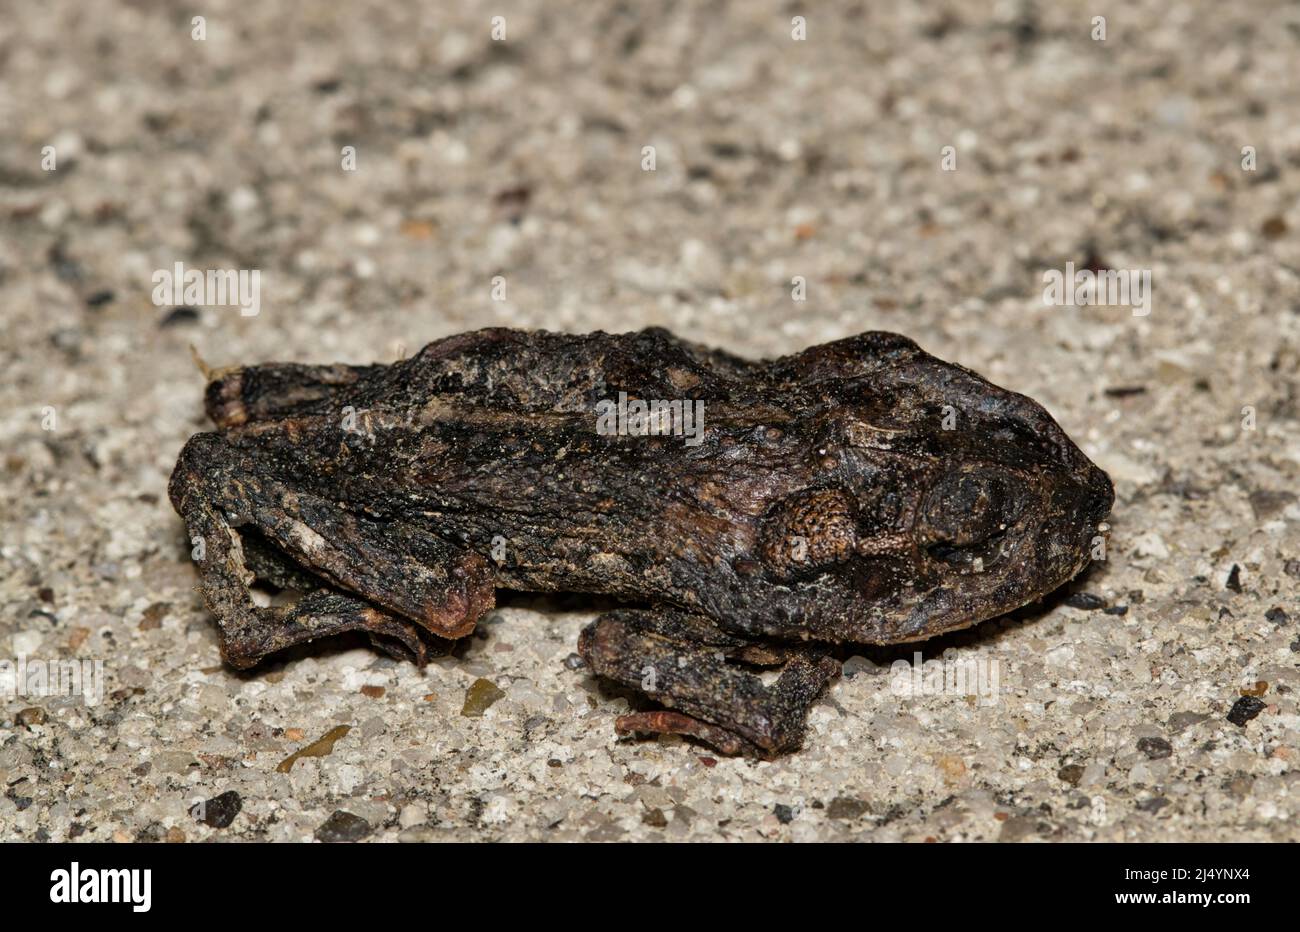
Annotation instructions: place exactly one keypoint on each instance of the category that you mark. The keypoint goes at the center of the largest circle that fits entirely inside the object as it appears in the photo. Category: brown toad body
(860, 491)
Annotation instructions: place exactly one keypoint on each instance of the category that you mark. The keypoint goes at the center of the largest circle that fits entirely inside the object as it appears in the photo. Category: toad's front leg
(696, 670)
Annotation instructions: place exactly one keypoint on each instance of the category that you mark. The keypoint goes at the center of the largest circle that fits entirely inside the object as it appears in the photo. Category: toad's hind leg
(250, 632)
(323, 610)
(382, 579)
(688, 665)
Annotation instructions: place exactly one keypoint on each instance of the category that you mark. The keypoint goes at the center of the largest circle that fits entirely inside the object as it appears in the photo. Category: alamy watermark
(957, 674)
(43, 679)
(210, 288)
(654, 417)
(1112, 287)
(103, 885)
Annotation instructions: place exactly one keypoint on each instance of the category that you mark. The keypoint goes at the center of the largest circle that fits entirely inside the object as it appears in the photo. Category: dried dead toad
(860, 492)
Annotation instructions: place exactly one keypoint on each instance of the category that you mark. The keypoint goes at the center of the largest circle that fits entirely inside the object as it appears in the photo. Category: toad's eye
(808, 531)
(968, 507)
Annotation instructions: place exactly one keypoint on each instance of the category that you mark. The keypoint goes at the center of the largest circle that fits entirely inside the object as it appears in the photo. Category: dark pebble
(1085, 600)
(178, 316)
(1181, 720)
(1234, 578)
(65, 267)
(574, 662)
(33, 715)
(151, 834)
(1274, 227)
(100, 298)
(847, 807)
(220, 811)
(1295, 647)
(1267, 503)
(1071, 774)
(784, 814)
(517, 196)
(343, 826)
(1115, 610)
(1155, 748)
(1277, 615)
(1292, 568)
(1153, 805)
(1244, 709)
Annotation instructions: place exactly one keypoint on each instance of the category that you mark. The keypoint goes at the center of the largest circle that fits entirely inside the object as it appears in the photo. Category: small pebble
(153, 616)
(178, 316)
(31, 716)
(1244, 709)
(1274, 227)
(1155, 748)
(847, 807)
(342, 827)
(1085, 601)
(1181, 720)
(321, 747)
(480, 697)
(219, 811)
(1071, 774)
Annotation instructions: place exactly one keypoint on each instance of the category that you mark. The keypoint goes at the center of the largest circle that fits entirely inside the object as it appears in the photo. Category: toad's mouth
(974, 557)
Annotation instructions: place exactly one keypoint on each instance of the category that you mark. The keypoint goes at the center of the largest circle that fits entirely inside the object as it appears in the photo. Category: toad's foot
(687, 664)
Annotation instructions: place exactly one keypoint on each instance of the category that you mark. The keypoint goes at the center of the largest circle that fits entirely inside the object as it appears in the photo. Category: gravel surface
(1158, 701)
